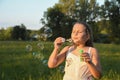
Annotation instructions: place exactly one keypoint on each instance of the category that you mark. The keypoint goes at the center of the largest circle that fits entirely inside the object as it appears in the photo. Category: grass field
(19, 63)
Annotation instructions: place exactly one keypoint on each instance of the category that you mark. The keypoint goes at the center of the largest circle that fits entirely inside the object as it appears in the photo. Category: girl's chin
(76, 42)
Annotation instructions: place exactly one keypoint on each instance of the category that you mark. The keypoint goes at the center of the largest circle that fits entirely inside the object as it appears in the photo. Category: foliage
(54, 16)
(61, 17)
(111, 12)
(19, 32)
(8, 33)
(60, 24)
(2, 34)
(102, 18)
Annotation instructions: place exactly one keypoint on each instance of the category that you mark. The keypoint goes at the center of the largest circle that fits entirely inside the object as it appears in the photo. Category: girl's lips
(75, 38)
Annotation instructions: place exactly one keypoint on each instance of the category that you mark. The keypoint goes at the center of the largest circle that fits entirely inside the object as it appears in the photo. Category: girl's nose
(75, 33)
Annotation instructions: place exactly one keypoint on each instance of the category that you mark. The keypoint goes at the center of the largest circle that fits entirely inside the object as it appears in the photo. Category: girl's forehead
(79, 26)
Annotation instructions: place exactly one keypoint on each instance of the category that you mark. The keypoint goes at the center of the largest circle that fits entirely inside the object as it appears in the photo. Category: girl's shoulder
(65, 49)
(94, 51)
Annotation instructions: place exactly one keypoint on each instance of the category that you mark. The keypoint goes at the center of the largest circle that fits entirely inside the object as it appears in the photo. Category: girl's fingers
(86, 57)
(58, 42)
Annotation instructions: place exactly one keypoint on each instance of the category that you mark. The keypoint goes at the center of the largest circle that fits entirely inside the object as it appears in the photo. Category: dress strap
(69, 50)
(89, 51)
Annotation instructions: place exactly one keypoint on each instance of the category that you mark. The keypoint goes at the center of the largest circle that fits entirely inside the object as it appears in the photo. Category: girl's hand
(58, 42)
(86, 57)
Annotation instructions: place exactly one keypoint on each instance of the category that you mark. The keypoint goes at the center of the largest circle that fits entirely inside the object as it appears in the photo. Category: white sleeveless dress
(76, 69)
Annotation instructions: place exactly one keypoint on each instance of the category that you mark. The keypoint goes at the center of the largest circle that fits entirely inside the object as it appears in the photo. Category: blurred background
(28, 28)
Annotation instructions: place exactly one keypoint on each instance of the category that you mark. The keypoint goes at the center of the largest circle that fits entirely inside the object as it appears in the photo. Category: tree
(15, 32)
(61, 17)
(60, 23)
(19, 32)
(112, 13)
(81, 10)
(23, 32)
(8, 33)
(54, 20)
(2, 34)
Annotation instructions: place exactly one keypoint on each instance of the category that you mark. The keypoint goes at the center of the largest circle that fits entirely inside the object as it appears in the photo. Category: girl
(75, 69)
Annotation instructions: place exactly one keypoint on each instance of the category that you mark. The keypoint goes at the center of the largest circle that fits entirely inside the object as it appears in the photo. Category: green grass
(16, 63)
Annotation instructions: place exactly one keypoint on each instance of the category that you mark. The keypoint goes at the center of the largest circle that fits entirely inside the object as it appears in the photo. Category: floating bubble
(63, 39)
(61, 69)
(34, 53)
(28, 47)
(46, 33)
(66, 40)
(69, 40)
(43, 36)
(45, 62)
(38, 55)
(40, 46)
(41, 56)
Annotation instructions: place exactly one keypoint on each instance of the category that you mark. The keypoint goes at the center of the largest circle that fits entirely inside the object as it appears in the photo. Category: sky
(27, 12)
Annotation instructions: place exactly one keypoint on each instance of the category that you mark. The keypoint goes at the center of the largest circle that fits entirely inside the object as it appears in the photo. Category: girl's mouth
(75, 38)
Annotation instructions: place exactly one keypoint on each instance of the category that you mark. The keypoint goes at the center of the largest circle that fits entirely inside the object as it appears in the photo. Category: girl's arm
(94, 65)
(57, 58)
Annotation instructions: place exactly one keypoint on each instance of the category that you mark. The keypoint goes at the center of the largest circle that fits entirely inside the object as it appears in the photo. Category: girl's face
(79, 35)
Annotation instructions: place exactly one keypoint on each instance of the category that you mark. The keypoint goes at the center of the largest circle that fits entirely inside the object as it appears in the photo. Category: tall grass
(16, 63)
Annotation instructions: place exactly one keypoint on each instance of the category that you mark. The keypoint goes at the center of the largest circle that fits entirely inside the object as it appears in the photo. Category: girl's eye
(73, 31)
(79, 32)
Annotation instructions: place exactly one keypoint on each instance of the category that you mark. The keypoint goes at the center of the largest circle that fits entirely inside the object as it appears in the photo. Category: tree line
(17, 32)
(104, 20)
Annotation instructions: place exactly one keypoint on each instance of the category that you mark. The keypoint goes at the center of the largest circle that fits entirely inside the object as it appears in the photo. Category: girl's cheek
(85, 38)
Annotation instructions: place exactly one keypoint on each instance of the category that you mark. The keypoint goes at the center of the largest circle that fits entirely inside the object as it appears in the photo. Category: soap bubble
(45, 62)
(69, 40)
(63, 39)
(61, 69)
(46, 33)
(38, 55)
(43, 36)
(28, 47)
(34, 53)
(66, 40)
(40, 46)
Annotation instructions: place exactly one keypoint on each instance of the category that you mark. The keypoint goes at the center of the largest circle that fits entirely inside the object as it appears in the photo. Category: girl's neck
(80, 46)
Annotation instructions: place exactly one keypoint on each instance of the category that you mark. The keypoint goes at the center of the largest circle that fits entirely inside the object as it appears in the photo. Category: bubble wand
(81, 52)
